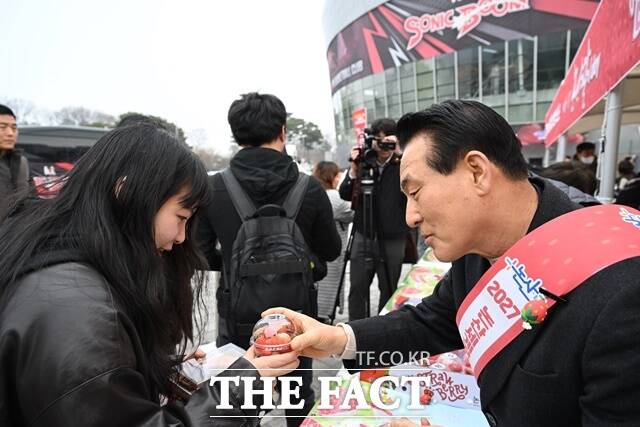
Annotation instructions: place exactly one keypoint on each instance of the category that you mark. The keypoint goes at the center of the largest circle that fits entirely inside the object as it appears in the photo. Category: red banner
(359, 119)
(609, 50)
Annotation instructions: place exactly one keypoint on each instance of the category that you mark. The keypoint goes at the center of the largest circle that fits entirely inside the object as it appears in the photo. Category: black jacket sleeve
(118, 398)
(346, 187)
(326, 243)
(428, 327)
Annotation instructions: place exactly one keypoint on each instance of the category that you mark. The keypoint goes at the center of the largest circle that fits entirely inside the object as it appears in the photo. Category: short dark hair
(584, 146)
(572, 173)
(388, 126)
(256, 119)
(457, 127)
(6, 111)
(625, 167)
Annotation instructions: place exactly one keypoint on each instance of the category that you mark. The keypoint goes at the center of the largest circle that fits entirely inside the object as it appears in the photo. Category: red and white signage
(609, 50)
(551, 257)
(359, 119)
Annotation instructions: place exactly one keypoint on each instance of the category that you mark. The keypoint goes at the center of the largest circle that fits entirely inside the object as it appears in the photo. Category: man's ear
(283, 133)
(480, 170)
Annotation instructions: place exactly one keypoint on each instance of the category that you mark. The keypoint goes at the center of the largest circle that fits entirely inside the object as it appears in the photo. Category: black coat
(389, 203)
(266, 176)
(581, 367)
(69, 356)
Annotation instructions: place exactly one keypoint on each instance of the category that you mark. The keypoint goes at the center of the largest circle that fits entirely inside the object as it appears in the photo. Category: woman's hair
(326, 172)
(105, 213)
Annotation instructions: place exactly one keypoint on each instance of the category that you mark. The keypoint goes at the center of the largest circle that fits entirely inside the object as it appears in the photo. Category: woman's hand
(275, 365)
(315, 339)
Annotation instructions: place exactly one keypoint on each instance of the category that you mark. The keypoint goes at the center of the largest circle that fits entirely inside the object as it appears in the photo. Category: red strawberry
(282, 338)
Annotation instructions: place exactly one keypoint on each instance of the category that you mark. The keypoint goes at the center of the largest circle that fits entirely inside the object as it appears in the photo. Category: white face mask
(587, 160)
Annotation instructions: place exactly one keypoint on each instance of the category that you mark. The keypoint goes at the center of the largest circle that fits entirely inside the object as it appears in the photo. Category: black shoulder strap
(294, 199)
(243, 204)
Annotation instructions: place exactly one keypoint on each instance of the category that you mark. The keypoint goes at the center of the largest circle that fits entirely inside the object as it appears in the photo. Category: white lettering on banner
(634, 11)
(630, 217)
(492, 313)
(469, 17)
(347, 72)
(586, 72)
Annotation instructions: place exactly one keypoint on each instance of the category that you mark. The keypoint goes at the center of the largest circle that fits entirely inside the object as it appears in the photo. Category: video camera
(368, 155)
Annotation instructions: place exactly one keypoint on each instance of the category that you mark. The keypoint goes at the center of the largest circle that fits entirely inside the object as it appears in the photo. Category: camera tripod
(372, 232)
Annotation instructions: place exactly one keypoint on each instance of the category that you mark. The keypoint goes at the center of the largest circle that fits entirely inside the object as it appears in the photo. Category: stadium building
(387, 58)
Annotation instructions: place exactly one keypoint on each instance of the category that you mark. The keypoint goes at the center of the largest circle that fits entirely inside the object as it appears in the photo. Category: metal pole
(547, 156)
(613, 119)
(561, 150)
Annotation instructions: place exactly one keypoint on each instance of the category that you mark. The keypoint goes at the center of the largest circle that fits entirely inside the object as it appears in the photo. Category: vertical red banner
(359, 119)
(609, 50)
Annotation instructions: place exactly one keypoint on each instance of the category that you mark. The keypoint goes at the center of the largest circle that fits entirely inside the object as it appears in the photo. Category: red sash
(558, 257)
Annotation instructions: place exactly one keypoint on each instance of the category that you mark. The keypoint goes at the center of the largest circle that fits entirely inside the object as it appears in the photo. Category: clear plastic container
(272, 335)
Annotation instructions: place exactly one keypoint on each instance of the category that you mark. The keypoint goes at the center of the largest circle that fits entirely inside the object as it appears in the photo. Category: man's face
(442, 206)
(8, 132)
(382, 153)
(587, 156)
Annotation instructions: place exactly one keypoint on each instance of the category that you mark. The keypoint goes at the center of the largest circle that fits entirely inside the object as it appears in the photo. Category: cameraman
(388, 218)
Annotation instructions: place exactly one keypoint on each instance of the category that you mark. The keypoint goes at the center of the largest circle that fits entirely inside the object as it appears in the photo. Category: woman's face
(170, 223)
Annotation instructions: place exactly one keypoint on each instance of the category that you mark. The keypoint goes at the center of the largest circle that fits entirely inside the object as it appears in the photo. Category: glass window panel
(408, 107)
(407, 84)
(521, 66)
(520, 113)
(425, 93)
(468, 73)
(425, 80)
(493, 70)
(551, 59)
(406, 69)
(424, 65)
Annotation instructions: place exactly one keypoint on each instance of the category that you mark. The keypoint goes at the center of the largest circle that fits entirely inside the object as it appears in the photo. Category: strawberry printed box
(344, 409)
(417, 284)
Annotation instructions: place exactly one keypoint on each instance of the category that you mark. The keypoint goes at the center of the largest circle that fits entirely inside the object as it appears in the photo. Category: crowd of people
(99, 285)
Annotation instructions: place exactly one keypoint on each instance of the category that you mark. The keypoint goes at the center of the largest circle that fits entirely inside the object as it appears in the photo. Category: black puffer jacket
(70, 357)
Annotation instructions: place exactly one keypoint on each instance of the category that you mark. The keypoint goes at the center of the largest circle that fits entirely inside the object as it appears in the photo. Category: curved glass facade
(517, 78)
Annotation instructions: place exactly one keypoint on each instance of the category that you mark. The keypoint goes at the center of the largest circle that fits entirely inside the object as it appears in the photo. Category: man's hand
(315, 339)
(275, 365)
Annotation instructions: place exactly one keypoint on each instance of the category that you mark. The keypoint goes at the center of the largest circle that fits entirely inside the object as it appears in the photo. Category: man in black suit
(469, 192)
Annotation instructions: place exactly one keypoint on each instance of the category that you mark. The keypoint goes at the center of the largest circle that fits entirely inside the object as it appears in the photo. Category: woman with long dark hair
(97, 291)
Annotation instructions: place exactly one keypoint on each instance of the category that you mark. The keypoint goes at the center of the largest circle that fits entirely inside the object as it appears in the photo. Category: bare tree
(211, 159)
(80, 116)
(25, 110)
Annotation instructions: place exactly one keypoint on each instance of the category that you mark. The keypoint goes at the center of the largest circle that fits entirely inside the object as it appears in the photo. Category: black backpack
(270, 261)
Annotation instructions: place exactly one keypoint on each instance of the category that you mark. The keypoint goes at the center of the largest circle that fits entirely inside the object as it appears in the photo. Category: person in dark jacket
(14, 168)
(266, 174)
(381, 254)
(96, 295)
(470, 193)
